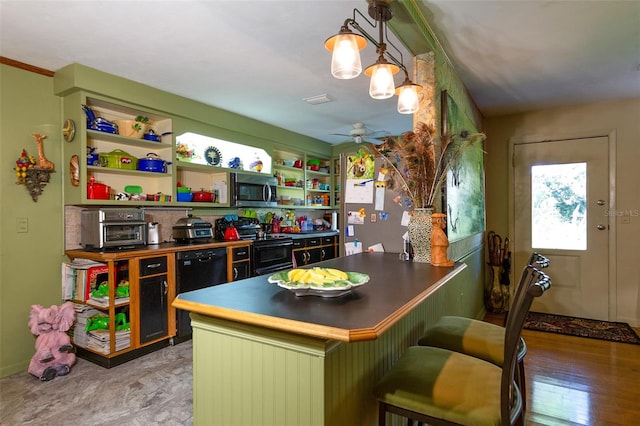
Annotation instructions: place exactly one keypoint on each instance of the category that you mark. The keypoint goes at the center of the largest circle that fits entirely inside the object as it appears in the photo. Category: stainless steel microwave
(253, 190)
(105, 228)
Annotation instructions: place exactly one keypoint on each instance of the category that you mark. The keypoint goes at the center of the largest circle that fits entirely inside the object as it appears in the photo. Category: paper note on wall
(355, 218)
(376, 247)
(358, 191)
(350, 231)
(380, 187)
(405, 218)
(352, 248)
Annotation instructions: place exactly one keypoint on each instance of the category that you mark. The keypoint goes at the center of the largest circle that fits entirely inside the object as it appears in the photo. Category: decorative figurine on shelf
(439, 241)
(256, 164)
(236, 163)
(97, 322)
(122, 290)
(101, 322)
(54, 352)
(24, 162)
(34, 174)
(43, 163)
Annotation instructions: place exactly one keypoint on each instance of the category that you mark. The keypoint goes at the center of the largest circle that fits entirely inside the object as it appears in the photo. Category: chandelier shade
(382, 85)
(408, 97)
(346, 63)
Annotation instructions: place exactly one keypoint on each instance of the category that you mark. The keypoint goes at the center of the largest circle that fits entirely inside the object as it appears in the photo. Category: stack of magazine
(96, 340)
(100, 340)
(78, 332)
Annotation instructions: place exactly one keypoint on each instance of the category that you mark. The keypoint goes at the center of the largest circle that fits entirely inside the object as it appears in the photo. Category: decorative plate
(213, 156)
(317, 281)
(69, 130)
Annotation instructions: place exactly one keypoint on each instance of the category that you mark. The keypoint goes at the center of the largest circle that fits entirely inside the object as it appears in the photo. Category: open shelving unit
(311, 188)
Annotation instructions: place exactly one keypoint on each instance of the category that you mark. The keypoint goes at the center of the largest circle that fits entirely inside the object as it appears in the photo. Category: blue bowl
(185, 196)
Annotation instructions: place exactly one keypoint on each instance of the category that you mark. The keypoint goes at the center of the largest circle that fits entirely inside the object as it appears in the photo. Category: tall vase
(498, 294)
(420, 227)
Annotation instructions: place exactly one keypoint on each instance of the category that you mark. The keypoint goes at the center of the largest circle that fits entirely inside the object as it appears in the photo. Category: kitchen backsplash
(166, 219)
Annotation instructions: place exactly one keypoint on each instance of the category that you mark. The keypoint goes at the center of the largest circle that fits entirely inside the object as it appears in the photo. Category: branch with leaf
(415, 170)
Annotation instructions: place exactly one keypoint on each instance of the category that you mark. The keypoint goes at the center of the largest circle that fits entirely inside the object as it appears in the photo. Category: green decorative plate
(328, 288)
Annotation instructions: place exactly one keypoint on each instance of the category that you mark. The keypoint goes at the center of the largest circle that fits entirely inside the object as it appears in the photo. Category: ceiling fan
(359, 132)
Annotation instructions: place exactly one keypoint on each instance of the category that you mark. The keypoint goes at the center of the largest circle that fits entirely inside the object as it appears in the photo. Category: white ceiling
(261, 58)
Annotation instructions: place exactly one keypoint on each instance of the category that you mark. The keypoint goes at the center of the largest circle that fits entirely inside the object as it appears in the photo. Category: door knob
(601, 227)
(600, 202)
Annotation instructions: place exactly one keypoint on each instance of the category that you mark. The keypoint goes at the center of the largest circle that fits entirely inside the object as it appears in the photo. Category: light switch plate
(22, 224)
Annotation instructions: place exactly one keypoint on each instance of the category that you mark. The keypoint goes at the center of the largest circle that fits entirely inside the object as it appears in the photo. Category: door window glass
(558, 203)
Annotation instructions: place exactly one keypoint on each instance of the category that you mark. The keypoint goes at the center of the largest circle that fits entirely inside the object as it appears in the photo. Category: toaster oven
(105, 228)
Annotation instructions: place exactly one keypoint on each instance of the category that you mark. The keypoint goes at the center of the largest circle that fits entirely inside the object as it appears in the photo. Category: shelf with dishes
(336, 182)
(303, 179)
(200, 185)
(126, 140)
(117, 146)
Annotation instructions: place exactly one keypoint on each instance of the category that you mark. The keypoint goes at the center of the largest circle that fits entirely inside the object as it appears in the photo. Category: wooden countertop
(150, 250)
(394, 289)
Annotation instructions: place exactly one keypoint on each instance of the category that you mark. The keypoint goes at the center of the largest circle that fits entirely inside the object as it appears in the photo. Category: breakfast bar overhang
(263, 356)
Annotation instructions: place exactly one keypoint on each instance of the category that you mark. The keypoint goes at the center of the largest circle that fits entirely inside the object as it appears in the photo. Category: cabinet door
(328, 252)
(301, 257)
(240, 271)
(314, 255)
(153, 308)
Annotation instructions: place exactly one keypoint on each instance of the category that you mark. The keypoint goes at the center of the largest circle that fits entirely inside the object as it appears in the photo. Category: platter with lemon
(318, 281)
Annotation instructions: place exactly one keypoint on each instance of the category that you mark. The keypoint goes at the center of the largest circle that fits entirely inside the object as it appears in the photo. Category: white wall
(618, 118)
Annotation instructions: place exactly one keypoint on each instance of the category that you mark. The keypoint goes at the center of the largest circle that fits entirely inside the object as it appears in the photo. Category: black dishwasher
(197, 269)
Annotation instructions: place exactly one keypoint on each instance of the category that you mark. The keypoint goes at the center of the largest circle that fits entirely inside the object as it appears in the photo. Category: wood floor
(581, 381)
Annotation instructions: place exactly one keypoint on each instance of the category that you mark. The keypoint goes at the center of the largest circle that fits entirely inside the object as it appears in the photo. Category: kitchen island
(263, 356)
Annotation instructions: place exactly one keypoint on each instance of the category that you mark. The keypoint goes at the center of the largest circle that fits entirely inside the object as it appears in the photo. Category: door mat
(582, 327)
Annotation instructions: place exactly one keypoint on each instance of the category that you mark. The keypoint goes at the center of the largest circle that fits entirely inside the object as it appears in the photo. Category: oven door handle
(270, 244)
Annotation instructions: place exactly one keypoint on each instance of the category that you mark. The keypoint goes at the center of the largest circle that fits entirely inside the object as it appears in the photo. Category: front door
(561, 201)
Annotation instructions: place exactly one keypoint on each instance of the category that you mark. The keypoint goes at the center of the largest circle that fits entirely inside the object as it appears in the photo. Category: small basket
(118, 159)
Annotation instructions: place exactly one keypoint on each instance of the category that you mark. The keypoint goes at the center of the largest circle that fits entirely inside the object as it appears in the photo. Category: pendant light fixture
(346, 47)
(382, 85)
(346, 64)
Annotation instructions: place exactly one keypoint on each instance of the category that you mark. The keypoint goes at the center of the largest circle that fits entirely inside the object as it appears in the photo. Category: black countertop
(394, 289)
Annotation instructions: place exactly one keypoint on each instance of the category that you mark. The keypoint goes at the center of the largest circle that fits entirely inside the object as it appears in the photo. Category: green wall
(29, 262)
(32, 103)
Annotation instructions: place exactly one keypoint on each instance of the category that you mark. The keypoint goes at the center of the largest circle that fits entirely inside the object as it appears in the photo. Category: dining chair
(442, 387)
(479, 338)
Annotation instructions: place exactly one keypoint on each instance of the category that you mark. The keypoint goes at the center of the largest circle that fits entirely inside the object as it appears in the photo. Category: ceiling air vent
(320, 99)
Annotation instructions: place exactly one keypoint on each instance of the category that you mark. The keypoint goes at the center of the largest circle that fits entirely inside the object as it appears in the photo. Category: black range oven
(270, 252)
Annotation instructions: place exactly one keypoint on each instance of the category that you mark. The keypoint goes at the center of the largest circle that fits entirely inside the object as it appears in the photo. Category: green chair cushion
(468, 336)
(443, 384)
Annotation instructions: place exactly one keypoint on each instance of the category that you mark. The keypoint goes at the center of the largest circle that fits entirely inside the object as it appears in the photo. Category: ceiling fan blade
(378, 132)
(339, 134)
